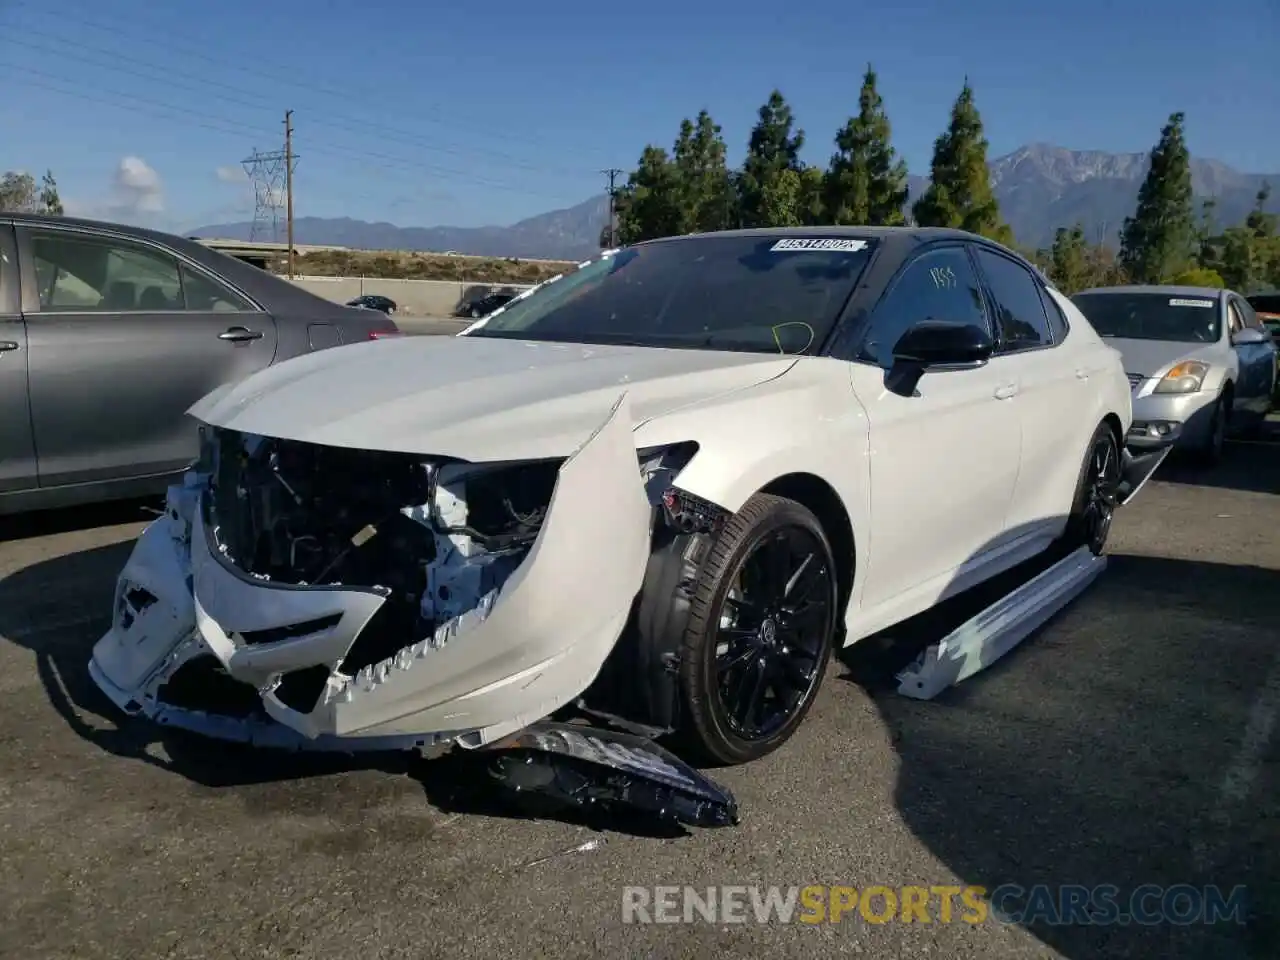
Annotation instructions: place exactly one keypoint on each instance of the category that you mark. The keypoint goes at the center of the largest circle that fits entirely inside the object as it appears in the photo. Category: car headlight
(1185, 377)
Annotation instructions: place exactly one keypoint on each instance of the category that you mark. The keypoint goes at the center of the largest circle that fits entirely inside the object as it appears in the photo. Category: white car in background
(1199, 361)
(660, 489)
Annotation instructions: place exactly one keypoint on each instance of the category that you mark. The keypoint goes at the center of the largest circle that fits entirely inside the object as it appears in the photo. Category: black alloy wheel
(769, 639)
(1097, 493)
(761, 630)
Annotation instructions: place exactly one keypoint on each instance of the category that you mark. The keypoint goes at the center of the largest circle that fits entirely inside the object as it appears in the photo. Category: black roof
(923, 234)
(909, 236)
(901, 239)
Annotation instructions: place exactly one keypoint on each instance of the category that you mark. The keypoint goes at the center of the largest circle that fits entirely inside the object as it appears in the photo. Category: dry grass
(403, 265)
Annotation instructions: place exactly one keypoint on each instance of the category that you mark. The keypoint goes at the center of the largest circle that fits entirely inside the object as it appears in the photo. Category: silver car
(1200, 362)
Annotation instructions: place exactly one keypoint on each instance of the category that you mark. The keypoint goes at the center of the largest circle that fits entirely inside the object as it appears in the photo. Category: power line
(226, 125)
(257, 104)
(118, 63)
(357, 97)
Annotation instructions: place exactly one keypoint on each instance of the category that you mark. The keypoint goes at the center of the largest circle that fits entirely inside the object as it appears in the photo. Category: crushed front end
(313, 597)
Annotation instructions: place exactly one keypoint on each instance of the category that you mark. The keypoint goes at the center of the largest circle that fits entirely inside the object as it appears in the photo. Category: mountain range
(1040, 188)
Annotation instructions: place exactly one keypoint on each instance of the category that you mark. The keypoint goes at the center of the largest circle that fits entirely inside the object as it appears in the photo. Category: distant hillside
(559, 235)
(1040, 188)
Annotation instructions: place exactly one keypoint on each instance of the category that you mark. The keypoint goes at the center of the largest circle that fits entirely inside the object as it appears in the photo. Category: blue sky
(445, 112)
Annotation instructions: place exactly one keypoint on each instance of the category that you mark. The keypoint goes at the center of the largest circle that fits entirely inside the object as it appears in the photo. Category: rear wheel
(761, 629)
(475, 313)
(1094, 506)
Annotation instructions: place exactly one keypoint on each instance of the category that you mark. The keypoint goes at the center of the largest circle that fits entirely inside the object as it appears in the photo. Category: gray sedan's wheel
(1094, 505)
(1211, 452)
(762, 623)
(475, 313)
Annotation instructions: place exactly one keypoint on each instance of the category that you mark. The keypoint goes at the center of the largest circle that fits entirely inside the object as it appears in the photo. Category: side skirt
(985, 638)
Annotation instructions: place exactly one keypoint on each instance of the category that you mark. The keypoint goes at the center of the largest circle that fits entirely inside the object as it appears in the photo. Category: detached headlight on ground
(1185, 377)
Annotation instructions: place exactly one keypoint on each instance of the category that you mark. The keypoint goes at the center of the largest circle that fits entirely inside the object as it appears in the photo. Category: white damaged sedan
(659, 489)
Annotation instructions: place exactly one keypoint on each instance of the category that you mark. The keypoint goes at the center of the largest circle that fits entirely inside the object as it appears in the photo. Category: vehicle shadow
(1121, 748)
(44, 523)
(1247, 464)
(58, 608)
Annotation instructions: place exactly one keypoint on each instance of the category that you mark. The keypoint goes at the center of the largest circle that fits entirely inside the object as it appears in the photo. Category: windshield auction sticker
(839, 244)
(1190, 303)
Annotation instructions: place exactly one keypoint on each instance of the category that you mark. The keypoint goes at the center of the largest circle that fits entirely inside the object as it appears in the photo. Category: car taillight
(384, 334)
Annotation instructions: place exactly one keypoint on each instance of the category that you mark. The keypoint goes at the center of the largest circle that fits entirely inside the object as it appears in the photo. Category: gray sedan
(1199, 360)
(109, 333)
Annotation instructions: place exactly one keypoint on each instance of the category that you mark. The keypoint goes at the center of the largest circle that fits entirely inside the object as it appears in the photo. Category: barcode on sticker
(1175, 302)
(820, 243)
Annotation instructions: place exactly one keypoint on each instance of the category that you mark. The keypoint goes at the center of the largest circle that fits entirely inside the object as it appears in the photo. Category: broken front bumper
(494, 670)
(1142, 454)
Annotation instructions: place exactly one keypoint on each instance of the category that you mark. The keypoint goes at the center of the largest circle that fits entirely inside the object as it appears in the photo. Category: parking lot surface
(1130, 742)
(431, 326)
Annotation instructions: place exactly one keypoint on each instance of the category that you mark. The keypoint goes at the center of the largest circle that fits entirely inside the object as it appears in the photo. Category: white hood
(474, 398)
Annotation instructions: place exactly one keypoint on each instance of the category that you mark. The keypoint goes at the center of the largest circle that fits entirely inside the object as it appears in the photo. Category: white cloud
(138, 187)
(231, 175)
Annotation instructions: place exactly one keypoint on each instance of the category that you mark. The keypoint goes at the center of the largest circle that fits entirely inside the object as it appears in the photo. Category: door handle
(1007, 390)
(1082, 374)
(7, 345)
(240, 334)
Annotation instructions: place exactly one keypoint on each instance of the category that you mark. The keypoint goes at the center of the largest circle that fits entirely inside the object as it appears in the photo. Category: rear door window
(202, 294)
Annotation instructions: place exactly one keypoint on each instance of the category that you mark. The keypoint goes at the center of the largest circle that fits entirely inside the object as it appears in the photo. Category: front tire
(761, 628)
(1211, 453)
(1094, 506)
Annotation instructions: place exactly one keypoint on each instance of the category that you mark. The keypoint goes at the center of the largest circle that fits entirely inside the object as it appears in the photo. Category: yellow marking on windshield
(793, 323)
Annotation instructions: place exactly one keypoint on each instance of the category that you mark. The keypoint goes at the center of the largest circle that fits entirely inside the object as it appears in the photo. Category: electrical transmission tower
(268, 174)
(272, 177)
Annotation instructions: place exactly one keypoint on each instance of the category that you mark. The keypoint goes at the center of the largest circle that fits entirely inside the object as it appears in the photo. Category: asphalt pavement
(431, 326)
(1132, 741)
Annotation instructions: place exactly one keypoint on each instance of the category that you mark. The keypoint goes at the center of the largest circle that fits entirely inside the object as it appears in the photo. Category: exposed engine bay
(317, 597)
(438, 536)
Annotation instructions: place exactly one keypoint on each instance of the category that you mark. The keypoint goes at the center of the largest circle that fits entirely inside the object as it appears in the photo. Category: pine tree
(1260, 222)
(774, 149)
(648, 205)
(1069, 260)
(959, 194)
(50, 202)
(811, 206)
(706, 196)
(1157, 241)
(866, 183)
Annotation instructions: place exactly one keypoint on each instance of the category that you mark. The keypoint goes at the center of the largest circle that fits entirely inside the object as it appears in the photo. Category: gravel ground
(1129, 742)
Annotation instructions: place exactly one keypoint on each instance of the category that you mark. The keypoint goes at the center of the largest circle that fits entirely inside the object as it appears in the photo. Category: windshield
(1151, 316)
(754, 294)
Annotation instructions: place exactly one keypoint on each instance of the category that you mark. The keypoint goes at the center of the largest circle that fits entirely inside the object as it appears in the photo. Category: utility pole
(612, 174)
(288, 183)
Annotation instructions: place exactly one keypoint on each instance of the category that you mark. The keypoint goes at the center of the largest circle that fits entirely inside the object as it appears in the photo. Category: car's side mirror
(935, 345)
(1248, 335)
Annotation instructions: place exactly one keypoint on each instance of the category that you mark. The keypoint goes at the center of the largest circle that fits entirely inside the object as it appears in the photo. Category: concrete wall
(428, 298)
